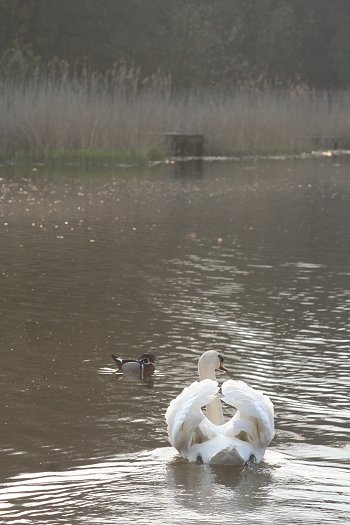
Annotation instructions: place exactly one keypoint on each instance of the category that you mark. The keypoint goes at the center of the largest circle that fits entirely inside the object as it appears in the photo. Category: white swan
(208, 438)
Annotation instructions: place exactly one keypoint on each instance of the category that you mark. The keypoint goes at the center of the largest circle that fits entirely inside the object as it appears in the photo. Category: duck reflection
(147, 382)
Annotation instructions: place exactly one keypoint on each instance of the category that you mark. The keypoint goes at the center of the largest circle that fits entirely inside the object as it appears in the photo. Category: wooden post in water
(185, 144)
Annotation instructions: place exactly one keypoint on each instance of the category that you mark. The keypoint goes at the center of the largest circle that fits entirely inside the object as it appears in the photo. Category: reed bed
(83, 117)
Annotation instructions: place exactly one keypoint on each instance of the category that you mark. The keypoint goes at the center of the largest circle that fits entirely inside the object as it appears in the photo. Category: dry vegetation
(123, 118)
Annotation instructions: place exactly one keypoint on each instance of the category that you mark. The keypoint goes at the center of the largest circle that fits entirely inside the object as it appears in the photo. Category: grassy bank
(70, 119)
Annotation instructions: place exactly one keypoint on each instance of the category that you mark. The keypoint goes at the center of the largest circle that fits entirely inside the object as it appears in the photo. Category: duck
(143, 365)
(206, 437)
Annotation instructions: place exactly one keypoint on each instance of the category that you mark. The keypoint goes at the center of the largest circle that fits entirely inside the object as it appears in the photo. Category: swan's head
(209, 362)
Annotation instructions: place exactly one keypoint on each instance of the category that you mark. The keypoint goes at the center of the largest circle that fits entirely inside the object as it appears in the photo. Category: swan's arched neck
(206, 370)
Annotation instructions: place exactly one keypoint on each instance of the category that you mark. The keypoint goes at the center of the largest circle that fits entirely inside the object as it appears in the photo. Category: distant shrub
(19, 63)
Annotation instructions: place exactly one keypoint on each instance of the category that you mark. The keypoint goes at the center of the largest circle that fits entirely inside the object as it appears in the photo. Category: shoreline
(118, 161)
(77, 122)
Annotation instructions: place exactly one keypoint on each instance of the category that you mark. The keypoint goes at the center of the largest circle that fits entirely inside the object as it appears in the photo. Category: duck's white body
(208, 438)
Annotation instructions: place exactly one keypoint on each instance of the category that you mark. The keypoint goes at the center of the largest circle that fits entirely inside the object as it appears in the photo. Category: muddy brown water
(250, 258)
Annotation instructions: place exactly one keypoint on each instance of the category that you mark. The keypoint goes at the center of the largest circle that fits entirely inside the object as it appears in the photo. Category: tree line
(197, 43)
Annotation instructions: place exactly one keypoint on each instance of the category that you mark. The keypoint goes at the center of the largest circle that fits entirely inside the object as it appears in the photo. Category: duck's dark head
(147, 358)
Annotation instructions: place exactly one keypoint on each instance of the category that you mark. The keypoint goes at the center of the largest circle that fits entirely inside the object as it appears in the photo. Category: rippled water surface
(249, 258)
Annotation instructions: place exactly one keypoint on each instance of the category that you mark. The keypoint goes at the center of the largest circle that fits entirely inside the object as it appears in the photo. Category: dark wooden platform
(185, 144)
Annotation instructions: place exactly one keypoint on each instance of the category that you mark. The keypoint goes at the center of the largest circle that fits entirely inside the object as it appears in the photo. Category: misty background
(198, 43)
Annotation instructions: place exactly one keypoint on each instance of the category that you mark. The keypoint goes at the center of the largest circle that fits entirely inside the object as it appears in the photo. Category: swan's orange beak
(221, 365)
(223, 368)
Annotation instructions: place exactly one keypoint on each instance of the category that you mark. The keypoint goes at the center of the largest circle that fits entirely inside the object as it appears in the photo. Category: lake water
(250, 258)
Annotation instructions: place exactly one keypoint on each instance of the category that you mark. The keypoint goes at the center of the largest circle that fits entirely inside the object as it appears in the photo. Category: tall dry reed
(122, 116)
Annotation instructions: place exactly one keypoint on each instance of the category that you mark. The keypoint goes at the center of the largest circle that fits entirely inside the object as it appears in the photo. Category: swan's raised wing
(184, 417)
(254, 419)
